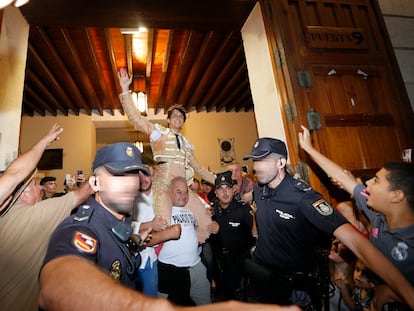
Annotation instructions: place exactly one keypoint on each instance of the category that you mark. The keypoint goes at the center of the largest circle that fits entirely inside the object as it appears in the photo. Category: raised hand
(124, 79)
(305, 140)
(53, 134)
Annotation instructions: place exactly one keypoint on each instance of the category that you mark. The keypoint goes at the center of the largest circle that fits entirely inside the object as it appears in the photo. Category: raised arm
(134, 116)
(332, 169)
(22, 166)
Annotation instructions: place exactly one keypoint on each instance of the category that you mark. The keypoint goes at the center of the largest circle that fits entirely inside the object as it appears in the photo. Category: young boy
(390, 194)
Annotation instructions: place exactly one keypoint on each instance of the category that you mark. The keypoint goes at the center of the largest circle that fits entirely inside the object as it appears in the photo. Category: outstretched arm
(332, 169)
(134, 116)
(74, 283)
(60, 289)
(21, 167)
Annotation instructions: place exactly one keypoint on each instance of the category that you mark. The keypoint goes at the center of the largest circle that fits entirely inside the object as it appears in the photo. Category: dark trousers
(270, 286)
(231, 274)
(175, 281)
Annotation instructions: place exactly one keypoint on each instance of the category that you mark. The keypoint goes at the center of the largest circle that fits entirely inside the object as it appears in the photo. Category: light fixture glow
(19, 3)
(16, 3)
(140, 101)
(133, 31)
(4, 3)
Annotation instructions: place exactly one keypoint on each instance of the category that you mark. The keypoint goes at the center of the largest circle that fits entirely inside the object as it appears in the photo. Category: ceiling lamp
(16, 3)
(133, 31)
(140, 101)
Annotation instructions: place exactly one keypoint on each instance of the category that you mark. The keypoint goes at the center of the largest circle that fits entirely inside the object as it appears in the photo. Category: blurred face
(179, 194)
(266, 169)
(145, 182)
(225, 195)
(116, 192)
(378, 191)
(236, 172)
(176, 120)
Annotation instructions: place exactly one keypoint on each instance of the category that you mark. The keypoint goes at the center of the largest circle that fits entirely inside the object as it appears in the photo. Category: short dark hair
(47, 179)
(178, 108)
(401, 177)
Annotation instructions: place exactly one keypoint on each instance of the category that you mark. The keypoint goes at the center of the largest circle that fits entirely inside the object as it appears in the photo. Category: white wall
(399, 19)
(262, 82)
(77, 141)
(13, 49)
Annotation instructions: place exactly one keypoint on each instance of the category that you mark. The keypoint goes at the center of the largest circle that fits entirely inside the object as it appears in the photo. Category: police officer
(100, 230)
(291, 217)
(234, 240)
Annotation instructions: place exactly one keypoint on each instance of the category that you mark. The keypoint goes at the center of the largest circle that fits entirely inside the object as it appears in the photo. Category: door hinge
(278, 58)
(305, 79)
(290, 112)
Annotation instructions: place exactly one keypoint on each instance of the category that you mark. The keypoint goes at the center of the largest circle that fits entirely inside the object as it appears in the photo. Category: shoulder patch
(323, 207)
(84, 243)
(84, 213)
(301, 185)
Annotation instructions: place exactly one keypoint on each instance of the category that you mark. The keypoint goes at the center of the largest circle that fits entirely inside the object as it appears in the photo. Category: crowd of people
(156, 238)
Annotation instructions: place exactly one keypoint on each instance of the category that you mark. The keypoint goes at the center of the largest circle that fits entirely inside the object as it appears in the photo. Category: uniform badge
(129, 152)
(84, 243)
(323, 207)
(400, 252)
(116, 270)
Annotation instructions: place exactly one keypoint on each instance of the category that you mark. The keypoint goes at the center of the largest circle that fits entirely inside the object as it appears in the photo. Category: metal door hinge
(305, 79)
(290, 112)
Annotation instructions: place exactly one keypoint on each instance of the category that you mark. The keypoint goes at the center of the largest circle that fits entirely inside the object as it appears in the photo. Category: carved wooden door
(332, 58)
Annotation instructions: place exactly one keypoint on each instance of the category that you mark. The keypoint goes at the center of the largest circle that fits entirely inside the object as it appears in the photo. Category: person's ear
(282, 162)
(94, 183)
(397, 196)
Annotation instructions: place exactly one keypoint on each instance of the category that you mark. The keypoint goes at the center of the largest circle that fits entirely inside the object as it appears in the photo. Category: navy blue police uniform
(290, 218)
(232, 245)
(90, 234)
(235, 227)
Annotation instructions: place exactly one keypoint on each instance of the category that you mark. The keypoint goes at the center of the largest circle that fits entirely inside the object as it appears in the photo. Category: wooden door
(334, 59)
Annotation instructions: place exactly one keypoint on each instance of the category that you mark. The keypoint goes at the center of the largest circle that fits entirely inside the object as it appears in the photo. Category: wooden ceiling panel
(195, 55)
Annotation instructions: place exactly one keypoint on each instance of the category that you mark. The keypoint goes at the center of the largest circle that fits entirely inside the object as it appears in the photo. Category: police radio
(122, 231)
